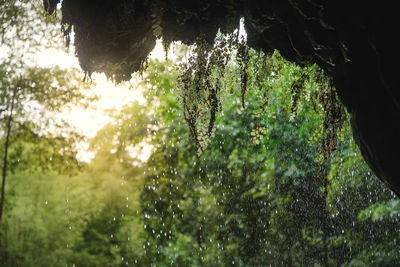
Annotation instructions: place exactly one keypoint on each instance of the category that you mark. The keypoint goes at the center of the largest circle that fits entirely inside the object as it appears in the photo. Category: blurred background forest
(255, 196)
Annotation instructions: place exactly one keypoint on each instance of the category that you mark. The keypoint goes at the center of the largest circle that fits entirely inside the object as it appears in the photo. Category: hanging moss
(200, 85)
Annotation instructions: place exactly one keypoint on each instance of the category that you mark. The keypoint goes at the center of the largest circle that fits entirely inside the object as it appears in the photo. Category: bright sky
(111, 97)
(89, 121)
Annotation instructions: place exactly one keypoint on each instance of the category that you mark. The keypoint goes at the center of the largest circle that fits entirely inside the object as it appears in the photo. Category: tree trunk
(6, 145)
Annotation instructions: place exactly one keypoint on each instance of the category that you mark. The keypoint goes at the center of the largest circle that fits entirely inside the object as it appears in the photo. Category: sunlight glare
(111, 98)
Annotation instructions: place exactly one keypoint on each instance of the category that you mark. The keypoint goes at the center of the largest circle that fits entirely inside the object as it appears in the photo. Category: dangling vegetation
(201, 84)
(203, 80)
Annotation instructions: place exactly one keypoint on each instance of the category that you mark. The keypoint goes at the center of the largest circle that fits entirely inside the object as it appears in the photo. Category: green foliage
(30, 99)
(256, 196)
(34, 145)
(253, 197)
(31, 96)
(30, 229)
(93, 215)
(203, 78)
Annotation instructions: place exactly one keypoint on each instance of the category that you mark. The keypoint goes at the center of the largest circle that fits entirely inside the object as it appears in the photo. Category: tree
(30, 96)
(26, 98)
(87, 217)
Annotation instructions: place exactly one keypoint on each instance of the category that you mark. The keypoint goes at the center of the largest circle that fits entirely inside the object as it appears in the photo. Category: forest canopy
(252, 163)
